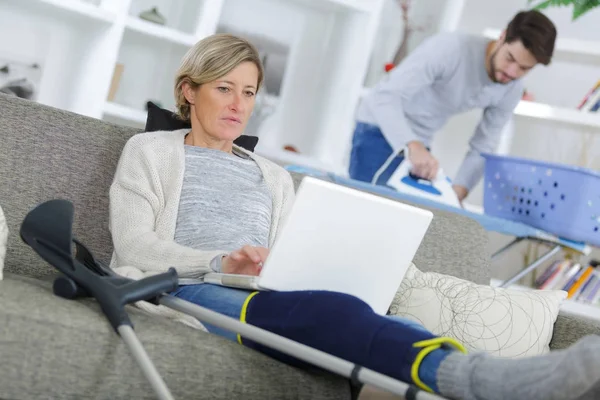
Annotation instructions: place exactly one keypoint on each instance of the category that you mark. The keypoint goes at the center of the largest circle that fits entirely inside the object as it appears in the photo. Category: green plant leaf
(551, 3)
(582, 6)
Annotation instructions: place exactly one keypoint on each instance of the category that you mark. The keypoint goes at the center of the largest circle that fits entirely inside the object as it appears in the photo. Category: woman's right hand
(246, 261)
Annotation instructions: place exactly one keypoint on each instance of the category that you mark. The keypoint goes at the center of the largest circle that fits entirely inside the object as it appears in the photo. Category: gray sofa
(56, 348)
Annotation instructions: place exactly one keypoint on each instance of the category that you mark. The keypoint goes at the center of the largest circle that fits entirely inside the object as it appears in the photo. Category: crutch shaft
(140, 355)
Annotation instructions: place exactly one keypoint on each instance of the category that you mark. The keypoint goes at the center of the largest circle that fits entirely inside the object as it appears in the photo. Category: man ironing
(447, 75)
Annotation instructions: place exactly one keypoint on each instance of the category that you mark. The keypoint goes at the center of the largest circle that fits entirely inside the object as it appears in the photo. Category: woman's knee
(300, 304)
(311, 317)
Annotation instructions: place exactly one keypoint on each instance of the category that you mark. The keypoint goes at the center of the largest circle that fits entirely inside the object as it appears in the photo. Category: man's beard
(493, 66)
(493, 69)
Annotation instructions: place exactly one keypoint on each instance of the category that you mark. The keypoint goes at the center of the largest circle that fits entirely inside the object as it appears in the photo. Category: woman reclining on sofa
(193, 200)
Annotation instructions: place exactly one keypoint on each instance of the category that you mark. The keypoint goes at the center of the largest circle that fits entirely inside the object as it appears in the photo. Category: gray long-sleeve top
(444, 76)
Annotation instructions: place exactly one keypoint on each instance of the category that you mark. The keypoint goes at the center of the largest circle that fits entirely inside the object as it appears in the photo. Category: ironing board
(520, 232)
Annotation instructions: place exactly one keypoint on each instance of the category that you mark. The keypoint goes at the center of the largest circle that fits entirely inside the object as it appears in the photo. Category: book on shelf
(596, 105)
(591, 101)
(580, 281)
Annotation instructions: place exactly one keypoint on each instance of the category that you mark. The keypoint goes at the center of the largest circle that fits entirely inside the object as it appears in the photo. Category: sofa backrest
(47, 153)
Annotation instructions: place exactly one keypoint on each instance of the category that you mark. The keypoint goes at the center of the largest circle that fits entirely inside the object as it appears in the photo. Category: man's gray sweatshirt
(444, 76)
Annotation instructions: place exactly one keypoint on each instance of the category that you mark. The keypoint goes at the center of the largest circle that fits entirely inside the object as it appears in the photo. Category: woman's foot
(570, 374)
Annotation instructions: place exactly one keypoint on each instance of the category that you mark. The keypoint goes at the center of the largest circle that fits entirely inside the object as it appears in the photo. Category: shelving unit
(558, 114)
(160, 32)
(568, 306)
(78, 8)
(317, 97)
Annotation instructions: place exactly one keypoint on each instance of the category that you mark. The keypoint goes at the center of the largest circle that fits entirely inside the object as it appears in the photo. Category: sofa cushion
(47, 153)
(568, 329)
(57, 348)
(502, 322)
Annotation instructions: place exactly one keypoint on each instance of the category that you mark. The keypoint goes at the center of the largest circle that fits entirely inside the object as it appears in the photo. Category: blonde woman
(192, 200)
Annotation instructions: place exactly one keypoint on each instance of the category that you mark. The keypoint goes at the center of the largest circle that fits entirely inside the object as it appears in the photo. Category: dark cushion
(160, 119)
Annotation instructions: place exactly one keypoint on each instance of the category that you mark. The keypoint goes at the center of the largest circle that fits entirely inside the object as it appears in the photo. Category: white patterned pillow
(3, 240)
(503, 322)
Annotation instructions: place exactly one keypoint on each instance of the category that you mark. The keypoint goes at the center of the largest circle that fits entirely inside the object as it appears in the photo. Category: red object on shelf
(389, 67)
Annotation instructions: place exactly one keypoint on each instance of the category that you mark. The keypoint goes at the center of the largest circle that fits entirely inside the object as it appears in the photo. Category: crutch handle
(113, 297)
(114, 292)
(150, 288)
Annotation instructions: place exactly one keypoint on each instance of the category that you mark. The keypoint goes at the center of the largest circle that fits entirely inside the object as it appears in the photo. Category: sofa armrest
(454, 244)
(569, 328)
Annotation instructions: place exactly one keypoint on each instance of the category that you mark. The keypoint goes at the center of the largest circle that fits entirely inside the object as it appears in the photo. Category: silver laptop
(340, 239)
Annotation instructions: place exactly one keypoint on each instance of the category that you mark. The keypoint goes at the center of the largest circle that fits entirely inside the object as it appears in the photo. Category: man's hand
(424, 165)
(461, 192)
(246, 261)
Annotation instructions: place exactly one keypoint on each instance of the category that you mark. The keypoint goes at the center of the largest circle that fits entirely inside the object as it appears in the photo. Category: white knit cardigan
(144, 201)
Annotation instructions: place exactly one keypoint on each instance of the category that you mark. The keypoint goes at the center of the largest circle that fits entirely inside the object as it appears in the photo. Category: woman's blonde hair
(210, 59)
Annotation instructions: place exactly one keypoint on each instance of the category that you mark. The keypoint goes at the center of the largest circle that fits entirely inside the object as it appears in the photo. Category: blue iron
(439, 189)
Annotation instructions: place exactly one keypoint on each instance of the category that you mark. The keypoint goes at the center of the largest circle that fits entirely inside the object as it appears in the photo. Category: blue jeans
(224, 300)
(370, 150)
(229, 301)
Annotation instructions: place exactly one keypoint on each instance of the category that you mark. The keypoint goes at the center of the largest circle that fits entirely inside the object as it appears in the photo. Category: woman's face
(223, 107)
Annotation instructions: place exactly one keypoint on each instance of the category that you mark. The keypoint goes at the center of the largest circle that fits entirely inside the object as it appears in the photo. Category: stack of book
(580, 281)
(591, 101)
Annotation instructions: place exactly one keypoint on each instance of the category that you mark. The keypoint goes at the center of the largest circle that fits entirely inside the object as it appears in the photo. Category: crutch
(47, 229)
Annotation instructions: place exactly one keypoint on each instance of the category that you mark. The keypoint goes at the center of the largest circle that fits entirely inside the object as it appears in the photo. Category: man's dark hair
(535, 31)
